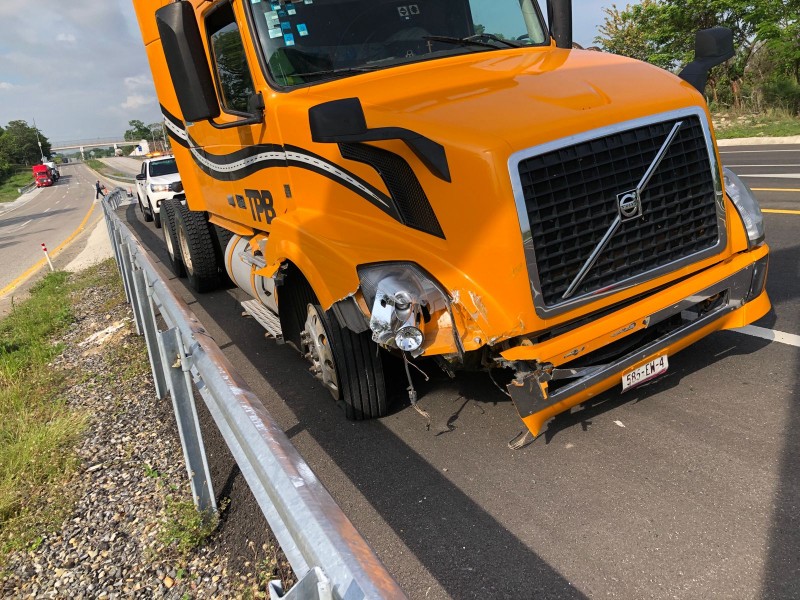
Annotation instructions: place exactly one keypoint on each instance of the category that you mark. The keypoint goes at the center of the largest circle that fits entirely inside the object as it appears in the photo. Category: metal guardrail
(28, 188)
(328, 555)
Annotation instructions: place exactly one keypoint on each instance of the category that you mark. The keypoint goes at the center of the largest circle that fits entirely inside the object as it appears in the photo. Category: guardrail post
(127, 275)
(123, 265)
(144, 293)
(176, 366)
(115, 238)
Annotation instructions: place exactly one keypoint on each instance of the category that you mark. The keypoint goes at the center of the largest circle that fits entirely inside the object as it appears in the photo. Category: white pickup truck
(158, 181)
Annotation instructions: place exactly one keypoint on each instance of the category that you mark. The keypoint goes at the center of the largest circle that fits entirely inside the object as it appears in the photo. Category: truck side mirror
(712, 47)
(186, 61)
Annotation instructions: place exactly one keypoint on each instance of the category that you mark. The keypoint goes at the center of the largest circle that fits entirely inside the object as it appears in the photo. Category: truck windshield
(307, 41)
(163, 167)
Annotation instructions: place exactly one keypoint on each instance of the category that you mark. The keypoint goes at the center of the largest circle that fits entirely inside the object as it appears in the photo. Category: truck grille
(571, 199)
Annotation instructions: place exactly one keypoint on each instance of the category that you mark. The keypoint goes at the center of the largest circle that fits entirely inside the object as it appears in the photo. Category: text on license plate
(646, 372)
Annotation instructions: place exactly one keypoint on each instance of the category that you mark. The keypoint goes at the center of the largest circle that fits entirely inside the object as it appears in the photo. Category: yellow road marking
(30, 271)
(780, 212)
(775, 189)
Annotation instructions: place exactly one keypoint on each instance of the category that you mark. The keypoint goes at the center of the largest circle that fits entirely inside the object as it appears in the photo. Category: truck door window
(234, 82)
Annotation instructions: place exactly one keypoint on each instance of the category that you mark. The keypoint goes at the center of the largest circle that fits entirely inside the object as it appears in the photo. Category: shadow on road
(464, 548)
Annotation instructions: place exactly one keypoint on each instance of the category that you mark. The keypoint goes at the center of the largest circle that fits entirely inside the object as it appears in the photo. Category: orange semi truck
(450, 179)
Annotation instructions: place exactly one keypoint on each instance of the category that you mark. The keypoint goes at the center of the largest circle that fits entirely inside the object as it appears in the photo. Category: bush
(783, 93)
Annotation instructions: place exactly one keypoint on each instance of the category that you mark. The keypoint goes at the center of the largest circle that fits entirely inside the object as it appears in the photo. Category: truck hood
(165, 179)
(516, 97)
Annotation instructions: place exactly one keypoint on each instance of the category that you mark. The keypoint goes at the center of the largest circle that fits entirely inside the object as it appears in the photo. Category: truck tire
(146, 215)
(348, 364)
(196, 249)
(222, 237)
(156, 216)
(171, 238)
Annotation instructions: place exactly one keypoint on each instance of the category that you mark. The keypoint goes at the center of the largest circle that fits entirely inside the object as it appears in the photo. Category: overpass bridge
(116, 142)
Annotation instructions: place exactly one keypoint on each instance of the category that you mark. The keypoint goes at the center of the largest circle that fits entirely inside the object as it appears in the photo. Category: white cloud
(65, 37)
(136, 101)
(4, 85)
(138, 82)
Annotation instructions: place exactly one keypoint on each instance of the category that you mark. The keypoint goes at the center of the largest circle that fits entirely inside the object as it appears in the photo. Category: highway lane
(49, 216)
(772, 171)
(686, 488)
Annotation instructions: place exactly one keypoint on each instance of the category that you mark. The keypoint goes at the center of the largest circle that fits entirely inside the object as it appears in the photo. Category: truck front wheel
(196, 248)
(156, 216)
(146, 215)
(347, 363)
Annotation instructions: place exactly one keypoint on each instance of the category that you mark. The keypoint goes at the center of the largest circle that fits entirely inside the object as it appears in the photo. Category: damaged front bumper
(541, 390)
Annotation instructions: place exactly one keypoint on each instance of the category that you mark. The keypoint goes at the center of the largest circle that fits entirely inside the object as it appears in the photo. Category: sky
(77, 68)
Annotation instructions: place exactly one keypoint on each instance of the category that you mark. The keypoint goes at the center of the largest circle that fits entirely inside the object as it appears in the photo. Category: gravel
(112, 545)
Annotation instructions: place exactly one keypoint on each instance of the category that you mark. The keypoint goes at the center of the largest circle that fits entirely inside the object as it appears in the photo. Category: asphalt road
(48, 215)
(687, 488)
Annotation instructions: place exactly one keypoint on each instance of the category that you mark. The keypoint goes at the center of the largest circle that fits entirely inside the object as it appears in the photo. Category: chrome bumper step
(265, 317)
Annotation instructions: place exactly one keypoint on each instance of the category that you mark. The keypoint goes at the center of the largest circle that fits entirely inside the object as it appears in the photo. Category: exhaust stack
(559, 19)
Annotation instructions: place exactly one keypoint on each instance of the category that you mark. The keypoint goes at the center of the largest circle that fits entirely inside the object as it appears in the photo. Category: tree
(19, 144)
(157, 134)
(138, 131)
(629, 33)
(662, 32)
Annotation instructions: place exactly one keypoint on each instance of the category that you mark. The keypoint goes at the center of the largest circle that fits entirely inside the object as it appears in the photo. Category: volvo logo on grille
(630, 205)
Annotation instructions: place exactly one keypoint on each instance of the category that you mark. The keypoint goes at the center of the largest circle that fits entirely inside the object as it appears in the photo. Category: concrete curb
(760, 141)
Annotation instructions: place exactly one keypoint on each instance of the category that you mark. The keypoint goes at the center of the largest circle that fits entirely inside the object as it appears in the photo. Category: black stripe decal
(249, 160)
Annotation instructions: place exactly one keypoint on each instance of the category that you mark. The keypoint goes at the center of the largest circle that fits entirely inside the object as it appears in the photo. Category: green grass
(183, 527)
(773, 123)
(37, 430)
(9, 187)
(104, 169)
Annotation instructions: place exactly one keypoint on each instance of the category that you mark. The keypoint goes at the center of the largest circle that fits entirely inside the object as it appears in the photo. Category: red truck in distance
(44, 175)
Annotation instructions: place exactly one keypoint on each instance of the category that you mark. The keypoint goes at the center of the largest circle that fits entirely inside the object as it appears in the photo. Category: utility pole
(38, 141)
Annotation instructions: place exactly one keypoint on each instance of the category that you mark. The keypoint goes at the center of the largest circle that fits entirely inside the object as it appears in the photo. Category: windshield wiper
(342, 71)
(474, 40)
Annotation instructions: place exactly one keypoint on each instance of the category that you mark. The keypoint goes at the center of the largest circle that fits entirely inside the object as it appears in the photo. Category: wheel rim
(318, 351)
(185, 255)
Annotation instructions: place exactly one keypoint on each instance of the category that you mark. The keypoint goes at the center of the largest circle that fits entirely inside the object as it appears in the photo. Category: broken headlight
(403, 298)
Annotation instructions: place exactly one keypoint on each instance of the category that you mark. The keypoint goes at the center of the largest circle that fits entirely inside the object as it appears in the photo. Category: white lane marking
(57, 201)
(18, 227)
(48, 209)
(772, 175)
(770, 334)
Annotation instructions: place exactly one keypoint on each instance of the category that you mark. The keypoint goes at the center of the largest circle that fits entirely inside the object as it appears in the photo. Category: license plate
(657, 366)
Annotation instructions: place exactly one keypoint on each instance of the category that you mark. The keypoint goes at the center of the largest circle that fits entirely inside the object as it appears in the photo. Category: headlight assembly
(747, 207)
(403, 298)
(159, 187)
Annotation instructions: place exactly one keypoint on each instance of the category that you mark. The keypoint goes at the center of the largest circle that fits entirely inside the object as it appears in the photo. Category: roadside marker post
(47, 256)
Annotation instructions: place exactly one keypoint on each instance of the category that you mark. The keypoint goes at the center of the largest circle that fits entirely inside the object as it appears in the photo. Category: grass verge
(773, 123)
(37, 430)
(104, 169)
(9, 187)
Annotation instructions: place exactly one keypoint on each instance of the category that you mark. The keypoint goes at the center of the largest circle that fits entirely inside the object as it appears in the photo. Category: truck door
(240, 164)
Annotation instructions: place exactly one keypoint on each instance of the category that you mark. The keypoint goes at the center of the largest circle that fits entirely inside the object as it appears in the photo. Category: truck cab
(452, 180)
(43, 176)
